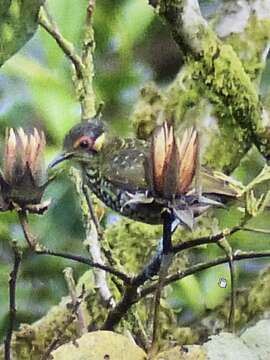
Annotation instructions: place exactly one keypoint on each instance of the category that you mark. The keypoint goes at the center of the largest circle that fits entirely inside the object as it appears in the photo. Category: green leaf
(18, 23)
(97, 345)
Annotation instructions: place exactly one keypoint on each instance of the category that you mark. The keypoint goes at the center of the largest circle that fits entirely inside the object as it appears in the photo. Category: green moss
(7, 33)
(14, 10)
(145, 114)
(133, 242)
(220, 77)
(182, 96)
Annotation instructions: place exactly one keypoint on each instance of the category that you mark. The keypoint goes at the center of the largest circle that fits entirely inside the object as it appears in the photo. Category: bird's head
(83, 142)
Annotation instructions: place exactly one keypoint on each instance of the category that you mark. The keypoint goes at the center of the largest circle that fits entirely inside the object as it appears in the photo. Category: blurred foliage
(18, 23)
(36, 90)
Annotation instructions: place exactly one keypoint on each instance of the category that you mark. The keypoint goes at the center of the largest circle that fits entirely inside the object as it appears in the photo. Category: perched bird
(125, 173)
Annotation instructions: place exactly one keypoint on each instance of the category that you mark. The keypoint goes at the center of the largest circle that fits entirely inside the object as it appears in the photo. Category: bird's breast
(118, 199)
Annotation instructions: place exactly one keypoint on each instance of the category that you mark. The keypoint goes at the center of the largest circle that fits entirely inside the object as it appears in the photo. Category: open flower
(171, 165)
(24, 178)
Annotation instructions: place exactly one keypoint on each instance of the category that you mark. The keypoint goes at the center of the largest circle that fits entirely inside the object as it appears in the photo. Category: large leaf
(100, 345)
(18, 23)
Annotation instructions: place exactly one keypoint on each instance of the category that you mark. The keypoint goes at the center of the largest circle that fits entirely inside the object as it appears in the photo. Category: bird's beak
(59, 159)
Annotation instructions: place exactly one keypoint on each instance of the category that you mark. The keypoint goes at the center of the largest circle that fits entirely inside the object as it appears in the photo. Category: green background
(36, 90)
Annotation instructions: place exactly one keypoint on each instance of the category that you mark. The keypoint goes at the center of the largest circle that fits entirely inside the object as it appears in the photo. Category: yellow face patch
(99, 142)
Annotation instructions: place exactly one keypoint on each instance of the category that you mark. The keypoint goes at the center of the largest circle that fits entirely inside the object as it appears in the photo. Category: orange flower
(171, 166)
(24, 178)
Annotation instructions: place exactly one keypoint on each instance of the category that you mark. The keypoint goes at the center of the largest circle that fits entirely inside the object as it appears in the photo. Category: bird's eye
(84, 144)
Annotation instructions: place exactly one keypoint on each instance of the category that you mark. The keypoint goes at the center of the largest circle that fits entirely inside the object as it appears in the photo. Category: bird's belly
(119, 200)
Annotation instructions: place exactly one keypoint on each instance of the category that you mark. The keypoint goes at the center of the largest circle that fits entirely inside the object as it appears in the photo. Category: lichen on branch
(217, 73)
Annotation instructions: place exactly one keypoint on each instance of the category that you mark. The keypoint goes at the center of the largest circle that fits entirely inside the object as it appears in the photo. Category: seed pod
(24, 178)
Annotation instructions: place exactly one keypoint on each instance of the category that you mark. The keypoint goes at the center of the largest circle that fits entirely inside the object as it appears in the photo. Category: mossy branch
(83, 63)
(214, 71)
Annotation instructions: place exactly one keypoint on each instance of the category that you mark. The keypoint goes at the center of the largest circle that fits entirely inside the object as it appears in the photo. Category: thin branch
(59, 332)
(124, 277)
(205, 239)
(132, 296)
(68, 274)
(85, 88)
(151, 270)
(91, 240)
(43, 251)
(12, 300)
(66, 46)
(225, 246)
(88, 199)
(166, 261)
(238, 255)
(23, 219)
(121, 308)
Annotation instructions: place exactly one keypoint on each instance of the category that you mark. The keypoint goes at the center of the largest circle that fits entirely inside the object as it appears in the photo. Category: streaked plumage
(119, 171)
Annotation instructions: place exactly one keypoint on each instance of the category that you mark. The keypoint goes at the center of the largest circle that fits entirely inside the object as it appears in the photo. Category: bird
(116, 170)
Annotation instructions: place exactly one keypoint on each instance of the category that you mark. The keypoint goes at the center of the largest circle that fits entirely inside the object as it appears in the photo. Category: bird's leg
(137, 198)
(166, 260)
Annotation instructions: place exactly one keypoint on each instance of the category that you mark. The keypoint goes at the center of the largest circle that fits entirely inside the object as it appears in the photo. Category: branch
(23, 219)
(83, 64)
(122, 276)
(152, 269)
(66, 46)
(12, 300)
(166, 261)
(206, 239)
(91, 240)
(238, 255)
(68, 274)
(85, 89)
(60, 331)
(215, 69)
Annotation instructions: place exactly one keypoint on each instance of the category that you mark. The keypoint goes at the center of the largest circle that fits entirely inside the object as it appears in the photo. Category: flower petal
(158, 152)
(188, 152)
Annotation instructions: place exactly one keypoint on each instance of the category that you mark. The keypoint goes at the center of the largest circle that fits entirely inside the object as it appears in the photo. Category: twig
(68, 274)
(130, 292)
(23, 219)
(66, 46)
(225, 246)
(124, 277)
(59, 333)
(166, 260)
(132, 296)
(151, 270)
(84, 88)
(106, 252)
(237, 256)
(12, 300)
(91, 241)
(205, 239)
(85, 190)
(121, 308)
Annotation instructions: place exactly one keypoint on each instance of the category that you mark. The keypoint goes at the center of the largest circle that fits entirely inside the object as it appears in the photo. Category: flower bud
(171, 166)
(24, 177)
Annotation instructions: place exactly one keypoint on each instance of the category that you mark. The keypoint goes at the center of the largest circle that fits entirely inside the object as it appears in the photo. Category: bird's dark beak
(60, 158)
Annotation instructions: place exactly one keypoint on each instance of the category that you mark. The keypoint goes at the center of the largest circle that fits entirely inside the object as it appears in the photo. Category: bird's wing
(123, 164)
